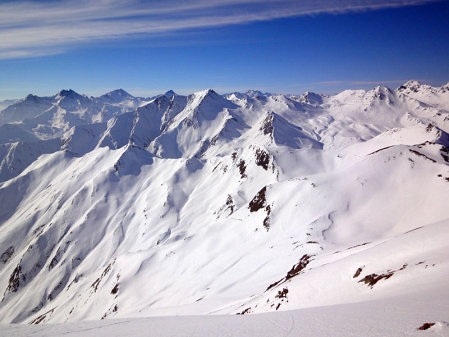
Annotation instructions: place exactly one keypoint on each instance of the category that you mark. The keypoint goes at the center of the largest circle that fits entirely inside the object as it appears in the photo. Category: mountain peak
(67, 93)
(411, 85)
(208, 93)
(380, 88)
(254, 93)
(117, 95)
(120, 92)
(170, 94)
(311, 98)
(380, 92)
(444, 87)
(31, 97)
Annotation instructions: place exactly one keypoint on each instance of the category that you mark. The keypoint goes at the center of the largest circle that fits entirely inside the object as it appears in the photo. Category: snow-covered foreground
(301, 215)
(395, 316)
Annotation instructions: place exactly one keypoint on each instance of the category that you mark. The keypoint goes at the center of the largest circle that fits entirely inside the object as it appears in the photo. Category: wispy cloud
(36, 28)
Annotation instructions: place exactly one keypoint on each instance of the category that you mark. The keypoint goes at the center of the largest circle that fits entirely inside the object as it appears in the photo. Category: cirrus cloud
(30, 28)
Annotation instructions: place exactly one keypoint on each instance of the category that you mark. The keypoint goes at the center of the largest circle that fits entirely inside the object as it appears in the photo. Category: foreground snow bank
(395, 316)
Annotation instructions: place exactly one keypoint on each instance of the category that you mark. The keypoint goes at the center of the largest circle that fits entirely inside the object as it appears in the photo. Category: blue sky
(282, 46)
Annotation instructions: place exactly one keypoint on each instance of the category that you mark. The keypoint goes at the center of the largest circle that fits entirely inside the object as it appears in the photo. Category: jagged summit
(382, 93)
(310, 98)
(68, 94)
(444, 87)
(411, 85)
(31, 97)
(254, 93)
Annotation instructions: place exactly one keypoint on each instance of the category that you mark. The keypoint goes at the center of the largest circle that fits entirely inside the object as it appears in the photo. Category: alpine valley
(119, 207)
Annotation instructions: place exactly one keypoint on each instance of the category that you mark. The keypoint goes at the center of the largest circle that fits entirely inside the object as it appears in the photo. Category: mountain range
(119, 206)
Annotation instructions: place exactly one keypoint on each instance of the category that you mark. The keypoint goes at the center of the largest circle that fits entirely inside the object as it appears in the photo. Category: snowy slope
(235, 204)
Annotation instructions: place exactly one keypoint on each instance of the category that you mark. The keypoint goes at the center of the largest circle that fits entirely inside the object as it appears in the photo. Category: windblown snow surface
(237, 215)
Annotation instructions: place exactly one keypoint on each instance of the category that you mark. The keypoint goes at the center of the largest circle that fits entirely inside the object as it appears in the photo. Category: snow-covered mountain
(40, 118)
(115, 206)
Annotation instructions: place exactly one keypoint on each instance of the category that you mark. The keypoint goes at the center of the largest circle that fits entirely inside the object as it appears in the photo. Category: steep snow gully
(327, 215)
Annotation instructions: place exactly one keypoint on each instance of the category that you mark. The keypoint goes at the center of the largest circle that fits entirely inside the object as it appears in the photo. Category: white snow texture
(187, 215)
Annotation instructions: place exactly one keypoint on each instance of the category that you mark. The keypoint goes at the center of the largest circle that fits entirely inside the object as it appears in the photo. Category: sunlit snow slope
(245, 203)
